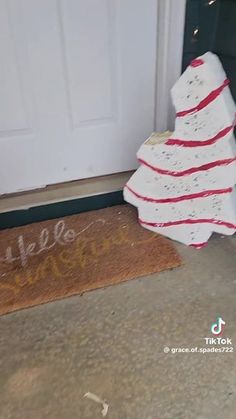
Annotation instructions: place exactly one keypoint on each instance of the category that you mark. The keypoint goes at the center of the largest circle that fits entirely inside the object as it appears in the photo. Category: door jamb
(170, 37)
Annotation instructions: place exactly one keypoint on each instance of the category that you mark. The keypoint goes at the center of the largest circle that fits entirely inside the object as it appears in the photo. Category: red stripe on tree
(191, 170)
(189, 221)
(200, 143)
(208, 99)
(202, 194)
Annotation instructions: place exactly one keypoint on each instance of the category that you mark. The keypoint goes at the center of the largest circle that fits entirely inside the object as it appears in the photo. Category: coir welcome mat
(54, 259)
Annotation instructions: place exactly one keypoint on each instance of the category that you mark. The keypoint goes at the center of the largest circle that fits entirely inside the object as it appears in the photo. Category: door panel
(12, 108)
(77, 88)
(88, 34)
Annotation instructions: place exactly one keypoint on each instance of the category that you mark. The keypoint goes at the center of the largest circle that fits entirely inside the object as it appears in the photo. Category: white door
(77, 88)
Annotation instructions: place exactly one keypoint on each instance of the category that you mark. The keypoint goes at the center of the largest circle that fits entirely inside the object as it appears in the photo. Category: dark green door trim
(59, 209)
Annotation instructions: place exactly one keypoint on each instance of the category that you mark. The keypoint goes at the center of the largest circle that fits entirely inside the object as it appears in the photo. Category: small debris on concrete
(97, 399)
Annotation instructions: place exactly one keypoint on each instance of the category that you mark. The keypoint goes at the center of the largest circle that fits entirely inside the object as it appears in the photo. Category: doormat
(54, 259)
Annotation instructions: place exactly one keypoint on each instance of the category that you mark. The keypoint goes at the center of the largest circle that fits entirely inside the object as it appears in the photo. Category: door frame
(170, 39)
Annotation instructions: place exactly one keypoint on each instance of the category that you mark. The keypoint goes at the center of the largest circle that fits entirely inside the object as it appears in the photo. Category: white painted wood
(12, 108)
(77, 95)
(170, 36)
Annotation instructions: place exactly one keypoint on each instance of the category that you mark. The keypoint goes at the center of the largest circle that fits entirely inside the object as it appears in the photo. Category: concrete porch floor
(110, 342)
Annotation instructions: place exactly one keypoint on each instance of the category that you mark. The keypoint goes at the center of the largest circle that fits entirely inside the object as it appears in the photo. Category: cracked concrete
(110, 342)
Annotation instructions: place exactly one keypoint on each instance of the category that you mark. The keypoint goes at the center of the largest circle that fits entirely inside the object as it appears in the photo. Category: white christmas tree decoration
(184, 188)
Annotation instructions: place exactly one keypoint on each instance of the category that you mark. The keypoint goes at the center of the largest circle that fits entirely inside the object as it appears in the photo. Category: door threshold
(62, 199)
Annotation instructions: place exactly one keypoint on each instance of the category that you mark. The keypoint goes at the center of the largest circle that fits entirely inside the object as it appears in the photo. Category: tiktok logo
(218, 327)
